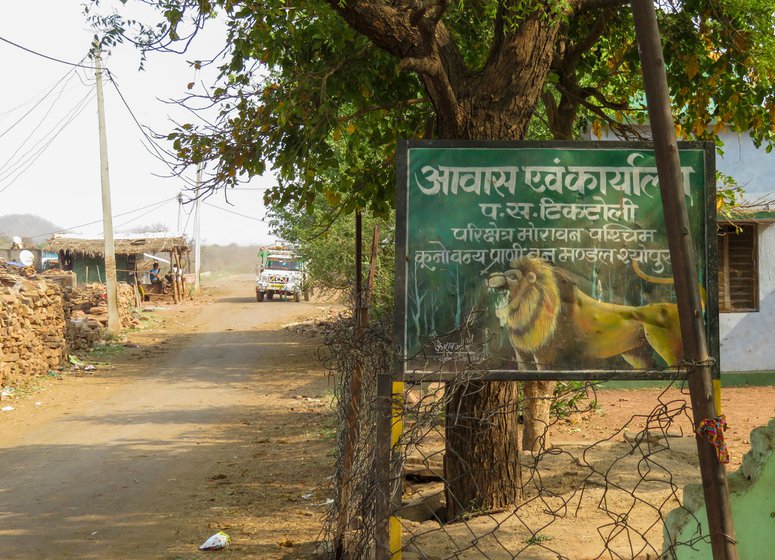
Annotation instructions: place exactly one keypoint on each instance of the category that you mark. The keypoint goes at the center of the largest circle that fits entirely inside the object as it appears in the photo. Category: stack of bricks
(32, 326)
(41, 322)
(86, 309)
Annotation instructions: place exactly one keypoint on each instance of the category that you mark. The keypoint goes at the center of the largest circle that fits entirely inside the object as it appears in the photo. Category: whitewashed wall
(752, 167)
(748, 339)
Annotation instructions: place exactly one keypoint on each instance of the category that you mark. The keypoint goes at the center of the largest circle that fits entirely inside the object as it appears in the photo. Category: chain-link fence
(588, 495)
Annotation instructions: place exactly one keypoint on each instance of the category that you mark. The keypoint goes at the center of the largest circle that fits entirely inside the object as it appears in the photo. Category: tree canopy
(320, 90)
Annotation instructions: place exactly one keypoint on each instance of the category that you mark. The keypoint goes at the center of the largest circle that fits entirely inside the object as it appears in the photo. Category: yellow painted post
(717, 395)
(396, 430)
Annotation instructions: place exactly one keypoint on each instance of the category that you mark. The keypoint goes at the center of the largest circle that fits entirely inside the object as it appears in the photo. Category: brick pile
(41, 321)
(32, 326)
(86, 308)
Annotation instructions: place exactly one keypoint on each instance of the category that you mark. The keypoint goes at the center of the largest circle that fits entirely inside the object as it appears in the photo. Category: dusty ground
(604, 492)
(220, 419)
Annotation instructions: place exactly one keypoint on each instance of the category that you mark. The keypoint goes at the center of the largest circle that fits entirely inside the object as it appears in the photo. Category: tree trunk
(482, 428)
(482, 459)
(495, 102)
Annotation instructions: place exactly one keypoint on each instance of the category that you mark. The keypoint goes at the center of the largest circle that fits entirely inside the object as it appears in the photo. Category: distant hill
(29, 227)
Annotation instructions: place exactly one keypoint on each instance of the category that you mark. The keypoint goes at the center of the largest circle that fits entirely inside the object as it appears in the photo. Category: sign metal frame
(708, 263)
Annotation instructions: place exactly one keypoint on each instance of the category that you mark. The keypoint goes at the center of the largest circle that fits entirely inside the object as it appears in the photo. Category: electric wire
(232, 212)
(188, 219)
(34, 98)
(36, 53)
(154, 149)
(67, 229)
(20, 119)
(154, 209)
(157, 150)
(35, 129)
(30, 160)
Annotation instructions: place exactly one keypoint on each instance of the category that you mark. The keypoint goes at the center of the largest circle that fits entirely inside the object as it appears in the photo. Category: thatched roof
(125, 244)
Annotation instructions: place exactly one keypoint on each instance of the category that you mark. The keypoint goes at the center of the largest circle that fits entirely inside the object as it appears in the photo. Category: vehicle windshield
(281, 264)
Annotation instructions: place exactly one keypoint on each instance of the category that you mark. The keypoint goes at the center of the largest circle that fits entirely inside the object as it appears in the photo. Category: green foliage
(729, 195)
(721, 63)
(105, 351)
(300, 91)
(538, 538)
(719, 56)
(571, 397)
(325, 239)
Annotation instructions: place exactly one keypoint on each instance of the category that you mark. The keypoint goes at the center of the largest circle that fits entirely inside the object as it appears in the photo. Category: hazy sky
(49, 147)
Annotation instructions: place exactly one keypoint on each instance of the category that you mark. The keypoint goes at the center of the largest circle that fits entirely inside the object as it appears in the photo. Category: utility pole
(114, 322)
(712, 471)
(197, 237)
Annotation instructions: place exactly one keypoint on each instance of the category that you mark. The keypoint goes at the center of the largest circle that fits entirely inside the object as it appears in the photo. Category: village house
(746, 256)
(746, 260)
(135, 254)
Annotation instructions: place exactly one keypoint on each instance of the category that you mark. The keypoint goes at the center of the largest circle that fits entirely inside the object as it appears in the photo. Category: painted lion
(552, 324)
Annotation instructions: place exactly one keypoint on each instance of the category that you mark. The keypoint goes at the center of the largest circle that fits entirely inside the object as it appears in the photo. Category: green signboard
(545, 260)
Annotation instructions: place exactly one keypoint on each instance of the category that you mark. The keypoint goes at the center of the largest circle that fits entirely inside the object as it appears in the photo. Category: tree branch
(575, 51)
(550, 105)
(383, 107)
(581, 6)
(413, 32)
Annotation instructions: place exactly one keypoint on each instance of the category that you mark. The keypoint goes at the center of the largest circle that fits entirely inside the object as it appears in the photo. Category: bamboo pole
(353, 405)
(175, 297)
(714, 482)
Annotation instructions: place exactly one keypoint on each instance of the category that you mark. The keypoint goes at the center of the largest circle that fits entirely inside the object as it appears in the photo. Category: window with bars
(738, 273)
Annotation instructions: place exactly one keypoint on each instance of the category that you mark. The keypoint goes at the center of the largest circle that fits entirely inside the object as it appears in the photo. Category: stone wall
(32, 327)
(86, 310)
(41, 322)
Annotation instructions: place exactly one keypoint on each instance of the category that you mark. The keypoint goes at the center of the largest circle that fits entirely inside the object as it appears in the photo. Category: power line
(40, 123)
(65, 230)
(154, 209)
(34, 98)
(36, 53)
(20, 119)
(77, 110)
(157, 150)
(233, 212)
(35, 129)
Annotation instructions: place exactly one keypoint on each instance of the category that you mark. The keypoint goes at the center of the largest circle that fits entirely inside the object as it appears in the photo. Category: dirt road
(149, 459)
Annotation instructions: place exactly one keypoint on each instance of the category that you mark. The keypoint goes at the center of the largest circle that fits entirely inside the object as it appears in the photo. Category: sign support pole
(382, 456)
(690, 309)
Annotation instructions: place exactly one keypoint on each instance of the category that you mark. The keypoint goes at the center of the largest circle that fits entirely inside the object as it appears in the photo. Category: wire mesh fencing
(460, 485)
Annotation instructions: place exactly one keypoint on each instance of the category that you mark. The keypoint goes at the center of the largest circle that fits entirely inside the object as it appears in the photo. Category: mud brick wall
(41, 322)
(86, 309)
(32, 327)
